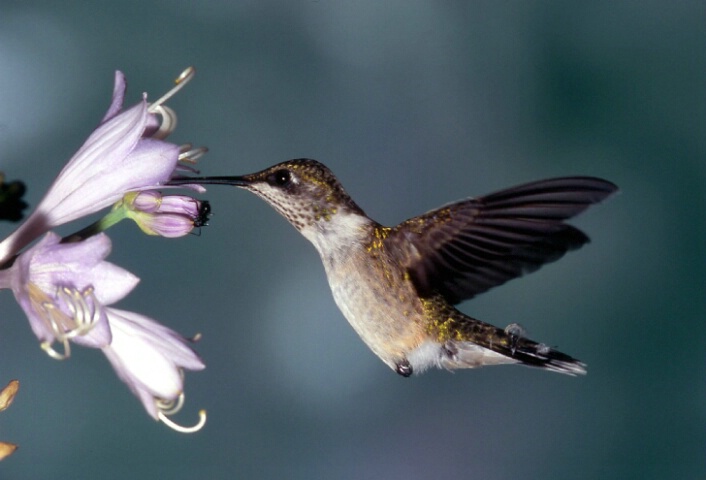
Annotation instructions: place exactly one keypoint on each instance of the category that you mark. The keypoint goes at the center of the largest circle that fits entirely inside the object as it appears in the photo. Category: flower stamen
(84, 311)
(46, 346)
(166, 408)
(169, 116)
(168, 123)
(180, 82)
(170, 407)
(189, 154)
(85, 314)
(175, 426)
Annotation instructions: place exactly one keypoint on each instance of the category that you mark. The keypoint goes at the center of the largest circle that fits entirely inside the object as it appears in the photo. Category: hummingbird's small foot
(515, 332)
(404, 368)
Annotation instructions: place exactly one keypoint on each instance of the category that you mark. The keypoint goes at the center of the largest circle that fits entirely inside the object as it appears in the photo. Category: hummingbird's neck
(343, 231)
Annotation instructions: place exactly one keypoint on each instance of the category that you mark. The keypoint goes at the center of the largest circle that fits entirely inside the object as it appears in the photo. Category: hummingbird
(397, 286)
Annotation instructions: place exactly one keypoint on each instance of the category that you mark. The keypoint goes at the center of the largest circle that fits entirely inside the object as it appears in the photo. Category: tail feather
(477, 343)
(468, 343)
(539, 355)
(470, 354)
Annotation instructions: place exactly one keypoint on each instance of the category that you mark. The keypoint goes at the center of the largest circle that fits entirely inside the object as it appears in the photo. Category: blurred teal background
(412, 104)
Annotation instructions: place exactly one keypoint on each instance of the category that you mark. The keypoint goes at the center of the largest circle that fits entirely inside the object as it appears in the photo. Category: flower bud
(165, 215)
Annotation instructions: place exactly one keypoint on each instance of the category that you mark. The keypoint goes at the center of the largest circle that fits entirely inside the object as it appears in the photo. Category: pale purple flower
(63, 288)
(124, 153)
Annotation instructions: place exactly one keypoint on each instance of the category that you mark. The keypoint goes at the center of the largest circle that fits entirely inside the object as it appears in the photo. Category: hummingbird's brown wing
(468, 247)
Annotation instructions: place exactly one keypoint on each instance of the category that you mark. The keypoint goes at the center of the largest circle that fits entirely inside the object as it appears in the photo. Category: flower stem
(114, 216)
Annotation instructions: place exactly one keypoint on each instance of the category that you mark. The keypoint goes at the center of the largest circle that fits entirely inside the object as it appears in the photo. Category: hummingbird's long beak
(235, 181)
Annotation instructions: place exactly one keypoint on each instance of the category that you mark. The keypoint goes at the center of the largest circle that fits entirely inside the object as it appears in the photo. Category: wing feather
(465, 248)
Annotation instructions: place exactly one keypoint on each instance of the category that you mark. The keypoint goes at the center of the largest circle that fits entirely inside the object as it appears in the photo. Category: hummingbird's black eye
(281, 178)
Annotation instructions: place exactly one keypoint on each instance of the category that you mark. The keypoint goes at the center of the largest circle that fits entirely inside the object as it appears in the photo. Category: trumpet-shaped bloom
(63, 288)
(149, 358)
(124, 153)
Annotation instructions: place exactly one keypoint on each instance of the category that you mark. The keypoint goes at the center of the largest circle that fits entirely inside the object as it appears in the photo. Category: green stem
(113, 217)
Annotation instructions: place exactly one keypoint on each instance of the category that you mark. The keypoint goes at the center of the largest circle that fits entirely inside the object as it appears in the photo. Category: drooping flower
(125, 153)
(149, 358)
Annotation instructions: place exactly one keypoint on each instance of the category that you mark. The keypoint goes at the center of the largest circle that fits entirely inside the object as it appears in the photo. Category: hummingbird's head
(303, 191)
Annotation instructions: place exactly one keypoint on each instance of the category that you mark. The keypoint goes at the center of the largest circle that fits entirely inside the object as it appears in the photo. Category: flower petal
(149, 164)
(63, 287)
(86, 184)
(81, 265)
(118, 96)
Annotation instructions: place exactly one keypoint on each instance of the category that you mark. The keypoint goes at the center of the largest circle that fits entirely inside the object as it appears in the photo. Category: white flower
(149, 358)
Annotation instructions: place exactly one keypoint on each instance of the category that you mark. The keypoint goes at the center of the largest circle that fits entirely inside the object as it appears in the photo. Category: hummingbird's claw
(515, 332)
(404, 368)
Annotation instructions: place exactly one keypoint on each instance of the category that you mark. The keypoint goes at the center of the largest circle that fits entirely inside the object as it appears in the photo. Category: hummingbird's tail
(484, 344)
(467, 343)
(534, 354)
(542, 356)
